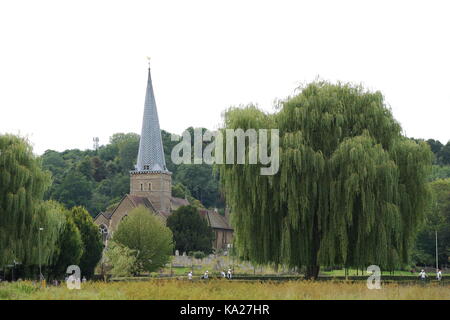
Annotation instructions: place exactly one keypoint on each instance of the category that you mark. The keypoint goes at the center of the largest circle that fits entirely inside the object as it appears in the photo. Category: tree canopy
(92, 242)
(22, 185)
(96, 179)
(351, 189)
(146, 234)
(190, 231)
(32, 231)
(437, 220)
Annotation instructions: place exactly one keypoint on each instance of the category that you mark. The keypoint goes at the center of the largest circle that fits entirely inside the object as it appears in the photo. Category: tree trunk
(312, 272)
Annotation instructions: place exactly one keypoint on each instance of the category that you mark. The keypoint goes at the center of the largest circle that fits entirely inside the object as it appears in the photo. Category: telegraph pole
(437, 264)
(39, 244)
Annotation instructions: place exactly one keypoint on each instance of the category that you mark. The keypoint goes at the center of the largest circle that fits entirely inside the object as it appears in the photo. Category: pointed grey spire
(151, 152)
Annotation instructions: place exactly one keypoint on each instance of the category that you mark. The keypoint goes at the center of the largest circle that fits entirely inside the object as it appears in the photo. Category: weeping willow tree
(351, 189)
(42, 245)
(22, 211)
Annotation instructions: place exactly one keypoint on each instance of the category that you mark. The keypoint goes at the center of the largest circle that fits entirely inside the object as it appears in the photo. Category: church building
(151, 182)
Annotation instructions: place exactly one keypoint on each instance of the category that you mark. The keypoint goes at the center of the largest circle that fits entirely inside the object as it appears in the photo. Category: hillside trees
(96, 179)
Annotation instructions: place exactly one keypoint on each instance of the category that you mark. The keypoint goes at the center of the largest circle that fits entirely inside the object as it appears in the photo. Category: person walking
(438, 275)
(229, 275)
(190, 275)
(423, 276)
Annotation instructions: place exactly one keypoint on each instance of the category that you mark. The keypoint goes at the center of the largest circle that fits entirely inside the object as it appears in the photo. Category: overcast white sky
(73, 70)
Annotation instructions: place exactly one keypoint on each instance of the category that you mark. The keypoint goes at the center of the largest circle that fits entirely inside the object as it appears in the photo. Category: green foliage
(97, 179)
(441, 152)
(201, 182)
(190, 231)
(147, 234)
(179, 190)
(444, 155)
(22, 185)
(69, 247)
(351, 190)
(437, 220)
(121, 259)
(92, 242)
(435, 145)
(440, 172)
(127, 146)
(74, 189)
(198, 254)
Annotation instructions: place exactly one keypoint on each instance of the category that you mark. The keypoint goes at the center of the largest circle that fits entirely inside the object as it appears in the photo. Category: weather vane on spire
(148, 60)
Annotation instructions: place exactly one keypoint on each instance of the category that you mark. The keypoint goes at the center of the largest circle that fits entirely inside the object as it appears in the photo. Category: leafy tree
(115, 186)
(98, 169)
(75, 189)
(198, 254)
(437, 220)
(145, 233)
(108, 152)
(440, 172)
(42, 242)
(350, 190)
(69, 247)
(84, 167)
(179, 190)
(435, 145)
(128, 146)
(168, 146)
(444, 154)
(98, 202)
(190, 231)
(121, 258)
(92, 242)
(201, 182)
(22, 186)
(53, 162)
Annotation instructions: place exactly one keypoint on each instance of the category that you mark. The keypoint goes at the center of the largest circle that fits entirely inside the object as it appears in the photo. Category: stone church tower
(151, 183)
(151, 178)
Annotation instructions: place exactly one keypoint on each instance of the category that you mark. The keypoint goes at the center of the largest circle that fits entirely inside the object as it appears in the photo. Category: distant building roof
(142, 201)
(178, 202)
(216, 220)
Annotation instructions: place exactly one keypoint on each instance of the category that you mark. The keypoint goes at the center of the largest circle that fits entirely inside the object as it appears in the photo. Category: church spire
(151, 152)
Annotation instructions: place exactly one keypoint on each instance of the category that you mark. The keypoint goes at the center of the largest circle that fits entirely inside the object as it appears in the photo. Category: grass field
(223, 289)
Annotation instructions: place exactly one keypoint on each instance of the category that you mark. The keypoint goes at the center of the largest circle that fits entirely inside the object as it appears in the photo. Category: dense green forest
(98, 179)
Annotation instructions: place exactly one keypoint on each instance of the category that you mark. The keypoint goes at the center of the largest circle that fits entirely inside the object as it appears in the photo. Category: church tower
(151, 178)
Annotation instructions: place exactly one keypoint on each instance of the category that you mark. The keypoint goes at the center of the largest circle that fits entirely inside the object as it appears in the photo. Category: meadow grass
(224, 289)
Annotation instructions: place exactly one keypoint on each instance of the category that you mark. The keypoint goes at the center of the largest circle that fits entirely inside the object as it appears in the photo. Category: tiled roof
(151, 152)
(142, 201)
(179, 201)
(216, 220)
